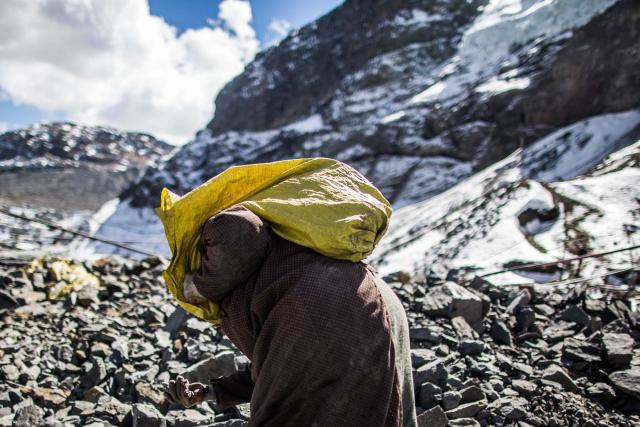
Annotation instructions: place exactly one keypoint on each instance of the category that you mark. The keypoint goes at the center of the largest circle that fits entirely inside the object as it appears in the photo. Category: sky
(153, 66)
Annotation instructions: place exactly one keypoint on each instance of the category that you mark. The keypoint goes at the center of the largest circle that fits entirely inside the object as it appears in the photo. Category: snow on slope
(503, 26)
(476, 224)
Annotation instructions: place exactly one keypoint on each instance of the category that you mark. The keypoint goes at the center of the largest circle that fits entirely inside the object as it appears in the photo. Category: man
(328, 340)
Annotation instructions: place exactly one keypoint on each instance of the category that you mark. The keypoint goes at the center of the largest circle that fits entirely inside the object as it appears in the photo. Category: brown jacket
(316, 329)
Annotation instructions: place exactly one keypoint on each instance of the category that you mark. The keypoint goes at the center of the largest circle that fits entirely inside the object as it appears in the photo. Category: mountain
(65, 174)
(70, 167)
(555, 199)
(416, 95)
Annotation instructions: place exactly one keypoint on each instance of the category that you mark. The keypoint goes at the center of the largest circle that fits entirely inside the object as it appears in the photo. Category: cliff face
(69, 167)
(306, 70)
(418, 95)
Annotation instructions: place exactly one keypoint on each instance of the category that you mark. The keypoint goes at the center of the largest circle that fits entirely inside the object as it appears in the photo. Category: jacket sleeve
(233, 389)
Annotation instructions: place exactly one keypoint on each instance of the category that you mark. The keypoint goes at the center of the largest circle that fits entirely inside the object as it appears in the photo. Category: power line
(77, 233)
(561, 261)
(578, 280)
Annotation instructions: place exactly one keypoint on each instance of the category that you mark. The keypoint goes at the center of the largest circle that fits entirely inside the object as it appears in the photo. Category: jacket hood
(234, 245)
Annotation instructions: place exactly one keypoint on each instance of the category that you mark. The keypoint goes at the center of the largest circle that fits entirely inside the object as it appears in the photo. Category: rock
(524, 318)
(450, 399)
(430, 395)
(575, 314)
(28, 416)
(10, 373)
(467, 410)
(464, 422)
(453, 300)
(559, 375)
(88, 295)
(616, 310)
(49, 397)
(618, 348)
(146, 393)
(7, 301)
(513, 408)
(195, 326)
(521, 299)
(82, 407)
(144, 415)
(192, 418)
(471, 347)
(434, 373)
(500, 333)
(431, 334)
(420, 356)
(627, 381)
(472, 394)
(95, 375)
(523, 387)
(434, 417)
(601, 391)
(462, 328)
(581, 351)
(176, 321)
(219, 365)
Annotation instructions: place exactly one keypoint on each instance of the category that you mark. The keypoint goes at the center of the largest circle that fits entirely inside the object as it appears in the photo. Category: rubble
(481, 355)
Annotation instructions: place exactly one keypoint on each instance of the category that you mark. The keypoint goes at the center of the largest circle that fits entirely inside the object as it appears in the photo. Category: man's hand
(185, 393)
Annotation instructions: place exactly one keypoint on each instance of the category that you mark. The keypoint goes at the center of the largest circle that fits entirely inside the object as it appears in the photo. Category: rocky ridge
(415, 95)
(481, 354)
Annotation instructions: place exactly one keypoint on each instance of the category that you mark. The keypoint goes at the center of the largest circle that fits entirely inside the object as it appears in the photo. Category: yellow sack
(319, 203)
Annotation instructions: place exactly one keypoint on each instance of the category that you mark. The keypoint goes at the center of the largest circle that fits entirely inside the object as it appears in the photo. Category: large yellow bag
(319, 203)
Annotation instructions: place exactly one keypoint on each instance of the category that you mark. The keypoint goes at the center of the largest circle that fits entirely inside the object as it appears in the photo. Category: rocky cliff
(418, 95)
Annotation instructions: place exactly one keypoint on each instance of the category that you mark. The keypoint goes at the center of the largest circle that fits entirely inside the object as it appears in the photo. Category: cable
(561, 261)
(573, 281)
(77, 233)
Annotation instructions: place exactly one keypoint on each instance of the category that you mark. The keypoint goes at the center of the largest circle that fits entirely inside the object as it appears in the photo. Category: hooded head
(235, 243)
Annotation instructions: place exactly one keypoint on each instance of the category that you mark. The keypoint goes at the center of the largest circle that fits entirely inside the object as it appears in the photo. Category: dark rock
(618, 348)
(616, 310)
(467, 410)
(432, 334)
(95, 375)
(558, 375)
(575, 314)
(452, 300)
(451, 399)
(523, 387)
(430, 395)
(627, 381)
(420, 356)
(524, 318)
(219, 365)
(601, 391)
(144, 415)
(521, 299)
(433, 372)
(462, 328)
(512, 408)
(434, 417)
(472, 394)
(464, 422)
(581, 351)
(471, 347)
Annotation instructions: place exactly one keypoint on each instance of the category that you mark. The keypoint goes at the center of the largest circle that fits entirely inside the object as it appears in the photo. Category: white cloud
(278, 29)
(4, 126)
(113, 63)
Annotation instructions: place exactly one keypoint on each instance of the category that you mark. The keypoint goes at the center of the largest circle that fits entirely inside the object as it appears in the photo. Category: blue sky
(184, 14)
(35, 87)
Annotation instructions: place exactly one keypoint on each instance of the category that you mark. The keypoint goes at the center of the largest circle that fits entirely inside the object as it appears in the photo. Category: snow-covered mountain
(556, 199)
(416, 95)
(68, 175)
